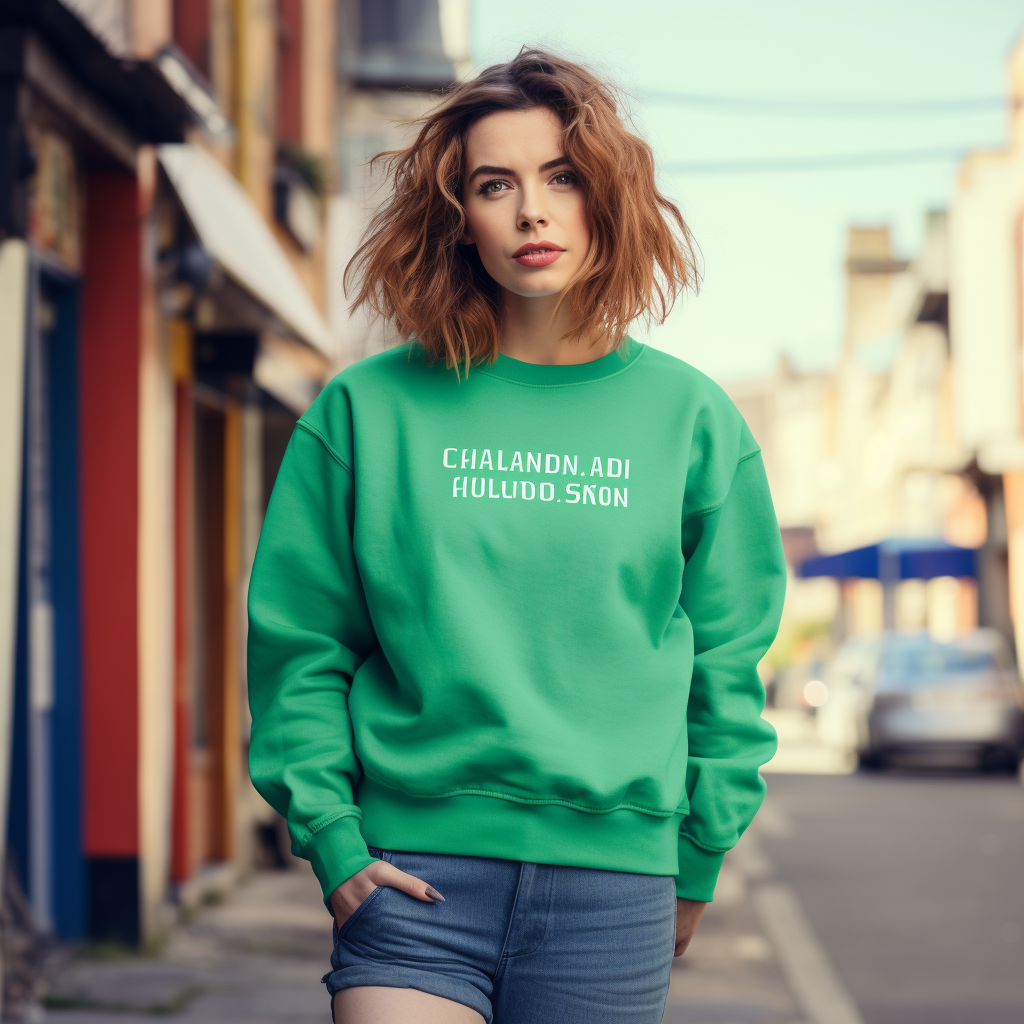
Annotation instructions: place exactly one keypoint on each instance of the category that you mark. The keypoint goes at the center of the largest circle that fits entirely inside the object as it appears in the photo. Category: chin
(535, 293)
(538, 287)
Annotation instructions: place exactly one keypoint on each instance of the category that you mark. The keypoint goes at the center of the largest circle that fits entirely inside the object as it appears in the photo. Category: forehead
(519, 139)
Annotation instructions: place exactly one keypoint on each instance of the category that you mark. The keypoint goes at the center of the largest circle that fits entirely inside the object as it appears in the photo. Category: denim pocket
(340, 931)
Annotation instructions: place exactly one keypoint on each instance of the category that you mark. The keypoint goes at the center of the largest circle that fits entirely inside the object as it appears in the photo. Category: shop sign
(53, 224)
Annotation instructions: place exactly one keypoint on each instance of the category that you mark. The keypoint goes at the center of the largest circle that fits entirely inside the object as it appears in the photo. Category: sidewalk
(260, 955)
(730, 974)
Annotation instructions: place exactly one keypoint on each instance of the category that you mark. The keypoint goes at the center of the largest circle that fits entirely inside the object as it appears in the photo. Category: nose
(532, 211)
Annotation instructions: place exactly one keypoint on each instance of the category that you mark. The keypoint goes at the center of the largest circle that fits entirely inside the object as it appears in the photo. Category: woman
(513, 585)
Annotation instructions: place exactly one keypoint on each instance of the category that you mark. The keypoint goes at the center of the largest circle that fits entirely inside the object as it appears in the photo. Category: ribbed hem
(483, 826)
(698, 871)
(337, 852)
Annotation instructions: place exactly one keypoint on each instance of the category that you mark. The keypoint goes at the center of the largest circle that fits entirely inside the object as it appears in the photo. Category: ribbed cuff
(337, 852)
(698, 871)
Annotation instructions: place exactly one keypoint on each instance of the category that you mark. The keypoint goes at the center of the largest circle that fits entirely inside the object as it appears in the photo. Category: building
(164, 173)
(394, 59)
(79, 179)
(872, 484)
(986, 310)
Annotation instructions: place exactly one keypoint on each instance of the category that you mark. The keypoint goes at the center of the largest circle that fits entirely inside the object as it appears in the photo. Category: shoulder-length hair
(413, 271)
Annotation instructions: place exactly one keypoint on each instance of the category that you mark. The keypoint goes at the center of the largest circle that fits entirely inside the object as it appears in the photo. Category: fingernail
(434, 894)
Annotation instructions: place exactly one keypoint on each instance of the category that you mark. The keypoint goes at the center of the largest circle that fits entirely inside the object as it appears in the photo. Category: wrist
(337, 852)
(698, 871)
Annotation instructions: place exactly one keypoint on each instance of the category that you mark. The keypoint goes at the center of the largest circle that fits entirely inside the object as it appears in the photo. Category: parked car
(958, 703)
(847, 682)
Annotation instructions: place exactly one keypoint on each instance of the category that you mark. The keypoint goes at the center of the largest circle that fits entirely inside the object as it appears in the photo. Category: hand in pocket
(351, 893)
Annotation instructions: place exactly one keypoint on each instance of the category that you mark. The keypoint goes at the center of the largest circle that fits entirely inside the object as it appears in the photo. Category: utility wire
(822, 162)
(781, 106)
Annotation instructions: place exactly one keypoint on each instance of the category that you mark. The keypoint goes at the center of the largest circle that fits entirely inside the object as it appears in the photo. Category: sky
(773, 244)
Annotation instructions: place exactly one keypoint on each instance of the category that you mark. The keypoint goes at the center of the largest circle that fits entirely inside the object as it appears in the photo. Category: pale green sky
(773, 244)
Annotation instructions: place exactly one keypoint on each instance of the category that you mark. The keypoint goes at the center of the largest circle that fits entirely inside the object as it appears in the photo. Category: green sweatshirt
(516, 616)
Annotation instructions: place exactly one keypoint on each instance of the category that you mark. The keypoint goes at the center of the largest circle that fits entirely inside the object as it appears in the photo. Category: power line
(782, 106)
(820, 162)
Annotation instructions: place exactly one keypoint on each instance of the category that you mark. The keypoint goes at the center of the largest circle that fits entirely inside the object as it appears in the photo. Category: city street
(912, 885)
(260, 954)
(250, 253)
(851, 900)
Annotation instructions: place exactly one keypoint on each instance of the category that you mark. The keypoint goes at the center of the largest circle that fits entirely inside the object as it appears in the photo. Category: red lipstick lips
(537, 254)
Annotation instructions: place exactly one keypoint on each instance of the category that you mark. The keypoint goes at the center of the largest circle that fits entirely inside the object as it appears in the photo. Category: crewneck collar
(547, 375)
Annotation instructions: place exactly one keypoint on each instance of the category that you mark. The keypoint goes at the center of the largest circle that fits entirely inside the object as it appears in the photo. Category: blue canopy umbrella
(906, 558)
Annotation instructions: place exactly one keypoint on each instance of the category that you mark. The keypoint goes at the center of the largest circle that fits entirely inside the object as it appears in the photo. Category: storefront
(156, 349)
(241, 378)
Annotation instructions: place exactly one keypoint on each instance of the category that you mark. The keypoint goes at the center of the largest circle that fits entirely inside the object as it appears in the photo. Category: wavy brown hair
(413, 271)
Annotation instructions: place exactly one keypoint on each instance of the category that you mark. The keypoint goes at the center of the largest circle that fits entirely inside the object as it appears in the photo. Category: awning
(293, 373)
(897, 559)
(136, 92)
(232, 230)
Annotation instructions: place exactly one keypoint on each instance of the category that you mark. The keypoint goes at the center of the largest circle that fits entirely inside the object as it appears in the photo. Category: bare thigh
(378, 1004)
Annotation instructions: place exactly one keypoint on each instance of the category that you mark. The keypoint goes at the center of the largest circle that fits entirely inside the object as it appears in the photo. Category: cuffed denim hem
(395, 976)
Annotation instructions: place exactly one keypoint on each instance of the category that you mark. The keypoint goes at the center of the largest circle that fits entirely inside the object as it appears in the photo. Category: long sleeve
(309, 630)
(733, 588)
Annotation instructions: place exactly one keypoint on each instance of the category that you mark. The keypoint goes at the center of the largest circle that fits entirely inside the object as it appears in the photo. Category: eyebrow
(550, 165)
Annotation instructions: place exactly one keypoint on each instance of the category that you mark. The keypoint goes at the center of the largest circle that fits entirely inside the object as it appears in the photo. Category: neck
(534, 333)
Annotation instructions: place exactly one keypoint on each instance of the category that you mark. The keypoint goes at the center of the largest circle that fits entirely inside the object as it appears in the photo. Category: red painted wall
(192, 31)
(111, 335)
(289, 71)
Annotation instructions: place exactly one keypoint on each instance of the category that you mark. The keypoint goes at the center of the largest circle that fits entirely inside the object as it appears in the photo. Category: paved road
(914, 885)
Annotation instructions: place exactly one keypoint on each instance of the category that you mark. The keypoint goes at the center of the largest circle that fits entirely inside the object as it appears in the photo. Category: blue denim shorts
(520, 943)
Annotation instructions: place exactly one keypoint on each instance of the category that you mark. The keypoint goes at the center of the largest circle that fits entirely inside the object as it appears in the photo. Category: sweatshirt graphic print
(517, 616)
(528, 488)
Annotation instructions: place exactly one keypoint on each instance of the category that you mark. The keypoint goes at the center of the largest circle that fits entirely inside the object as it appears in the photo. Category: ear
(466, 238)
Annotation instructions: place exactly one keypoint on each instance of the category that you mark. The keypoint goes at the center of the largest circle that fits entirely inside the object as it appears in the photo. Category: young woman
(513, 585)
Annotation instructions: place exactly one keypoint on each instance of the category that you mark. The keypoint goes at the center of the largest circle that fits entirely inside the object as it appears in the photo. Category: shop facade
(156, 351)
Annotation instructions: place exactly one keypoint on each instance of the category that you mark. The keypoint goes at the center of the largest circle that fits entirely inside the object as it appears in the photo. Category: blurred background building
(986, 261)
(866, 460)
(393, 58)
(180, 185)
(896, 474)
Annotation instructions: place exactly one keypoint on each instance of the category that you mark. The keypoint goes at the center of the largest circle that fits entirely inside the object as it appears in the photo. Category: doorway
(44, 812)
(211, 684)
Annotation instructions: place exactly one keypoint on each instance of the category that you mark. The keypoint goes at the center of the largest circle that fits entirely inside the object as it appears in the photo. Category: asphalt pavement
(912, 884)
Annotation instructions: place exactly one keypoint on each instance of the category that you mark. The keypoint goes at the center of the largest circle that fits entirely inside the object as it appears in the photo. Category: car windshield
(909, 666)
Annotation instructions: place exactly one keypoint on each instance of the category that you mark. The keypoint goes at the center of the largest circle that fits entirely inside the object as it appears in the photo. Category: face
(524, 203)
